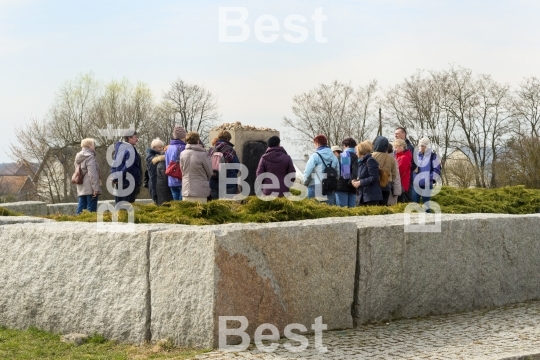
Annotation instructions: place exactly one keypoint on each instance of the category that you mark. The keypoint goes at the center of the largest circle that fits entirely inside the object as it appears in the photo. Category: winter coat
(385, 160)
(152, 172)
(396, 189)
(428, 164)
(313, 173)
(163, 192)
(276, 161)
(123, 164)
(230, 157)
(173, 154)
(89, 167)
(367, 171)
(196, 171)
(404, 160)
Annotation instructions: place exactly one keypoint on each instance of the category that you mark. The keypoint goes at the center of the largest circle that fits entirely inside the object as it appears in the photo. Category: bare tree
(526, 107)
(418, 105)
(196, 107)
(335, 110)
(520, 164)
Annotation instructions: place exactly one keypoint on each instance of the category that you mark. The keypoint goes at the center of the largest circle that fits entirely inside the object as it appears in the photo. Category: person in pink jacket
(196, 170)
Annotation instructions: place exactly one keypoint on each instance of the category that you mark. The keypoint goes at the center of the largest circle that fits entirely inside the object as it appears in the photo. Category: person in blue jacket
(314, 168)
(365, 176)
(126, 160)
(427, 172)
(176, 146)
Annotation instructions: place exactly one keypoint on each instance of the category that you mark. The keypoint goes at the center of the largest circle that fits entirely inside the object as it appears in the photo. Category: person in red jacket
(404, 159)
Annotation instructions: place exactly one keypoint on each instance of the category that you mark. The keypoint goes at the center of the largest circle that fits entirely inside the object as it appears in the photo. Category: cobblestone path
(511, 332)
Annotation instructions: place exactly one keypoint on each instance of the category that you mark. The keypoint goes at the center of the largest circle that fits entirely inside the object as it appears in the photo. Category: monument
(249, 143)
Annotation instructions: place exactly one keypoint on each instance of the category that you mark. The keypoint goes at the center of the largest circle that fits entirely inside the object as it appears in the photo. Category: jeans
(330, 195)
(345, 199)
(87, 202)
(176, 192)
(417, 197)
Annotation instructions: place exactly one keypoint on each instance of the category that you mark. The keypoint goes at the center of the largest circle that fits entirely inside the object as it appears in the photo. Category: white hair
(156, 142)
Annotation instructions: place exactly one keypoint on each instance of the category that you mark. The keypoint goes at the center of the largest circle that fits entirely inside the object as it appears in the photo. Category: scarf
(346, 165)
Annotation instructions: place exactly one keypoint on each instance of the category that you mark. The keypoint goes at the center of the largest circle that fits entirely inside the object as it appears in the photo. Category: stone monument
(249, 143)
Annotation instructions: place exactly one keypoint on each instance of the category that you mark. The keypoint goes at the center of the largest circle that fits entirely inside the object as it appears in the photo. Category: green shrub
(6, 212)
(507, 200)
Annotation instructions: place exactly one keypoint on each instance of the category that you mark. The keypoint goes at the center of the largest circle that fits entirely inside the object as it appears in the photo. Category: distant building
(17, 181)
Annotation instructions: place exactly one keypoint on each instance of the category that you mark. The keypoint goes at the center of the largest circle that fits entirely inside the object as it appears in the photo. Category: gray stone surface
(476, 261)
(62, 208)
(274, 273)
(174, 281)
(30, 208)
(182, 286)
(508, 333)
(7, 220)
(65, 277)
(74, 338)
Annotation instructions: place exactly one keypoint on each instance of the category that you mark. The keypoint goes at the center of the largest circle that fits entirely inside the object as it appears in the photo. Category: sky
(46, 43)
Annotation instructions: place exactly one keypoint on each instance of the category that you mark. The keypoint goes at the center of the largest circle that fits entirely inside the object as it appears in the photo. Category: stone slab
(476, 261)
(273, 273)
(29, 208)
(65, 277)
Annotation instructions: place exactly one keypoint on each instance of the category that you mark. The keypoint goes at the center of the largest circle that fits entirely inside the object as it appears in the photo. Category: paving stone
(511, 332)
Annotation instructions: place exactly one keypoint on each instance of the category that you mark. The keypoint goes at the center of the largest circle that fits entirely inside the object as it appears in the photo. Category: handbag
(173, 170)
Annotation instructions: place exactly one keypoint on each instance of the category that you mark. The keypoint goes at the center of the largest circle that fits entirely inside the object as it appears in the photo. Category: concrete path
(511, 332)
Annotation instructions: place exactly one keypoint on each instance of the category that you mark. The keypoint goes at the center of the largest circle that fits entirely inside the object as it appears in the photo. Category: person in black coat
(365, 176)
(156, 149)
(163, 192)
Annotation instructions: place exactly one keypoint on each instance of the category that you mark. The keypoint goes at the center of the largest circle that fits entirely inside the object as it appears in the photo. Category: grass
(36, 344)
(507, 200)
(6, 212)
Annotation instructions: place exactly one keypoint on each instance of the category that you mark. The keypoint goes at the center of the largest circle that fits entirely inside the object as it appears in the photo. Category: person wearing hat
(336, 150)
(176, 146)
(427, 172)
(126, 167)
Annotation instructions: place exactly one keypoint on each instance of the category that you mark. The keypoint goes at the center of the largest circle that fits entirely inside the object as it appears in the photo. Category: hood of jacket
(380, 144)
(275, 154)
(195, 147)
(158, 159)
(150, 153)
(84, 154)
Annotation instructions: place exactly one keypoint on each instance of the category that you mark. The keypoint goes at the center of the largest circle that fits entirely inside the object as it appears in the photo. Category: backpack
(216, 159)
(330, 183)
(78, 175)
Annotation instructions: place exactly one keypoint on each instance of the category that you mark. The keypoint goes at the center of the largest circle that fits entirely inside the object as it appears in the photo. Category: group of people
(369, 173)
(373, 172)
(199, 180)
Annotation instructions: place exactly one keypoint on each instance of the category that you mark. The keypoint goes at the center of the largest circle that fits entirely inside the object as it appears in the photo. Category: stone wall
(39, 208)
(174, 281)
